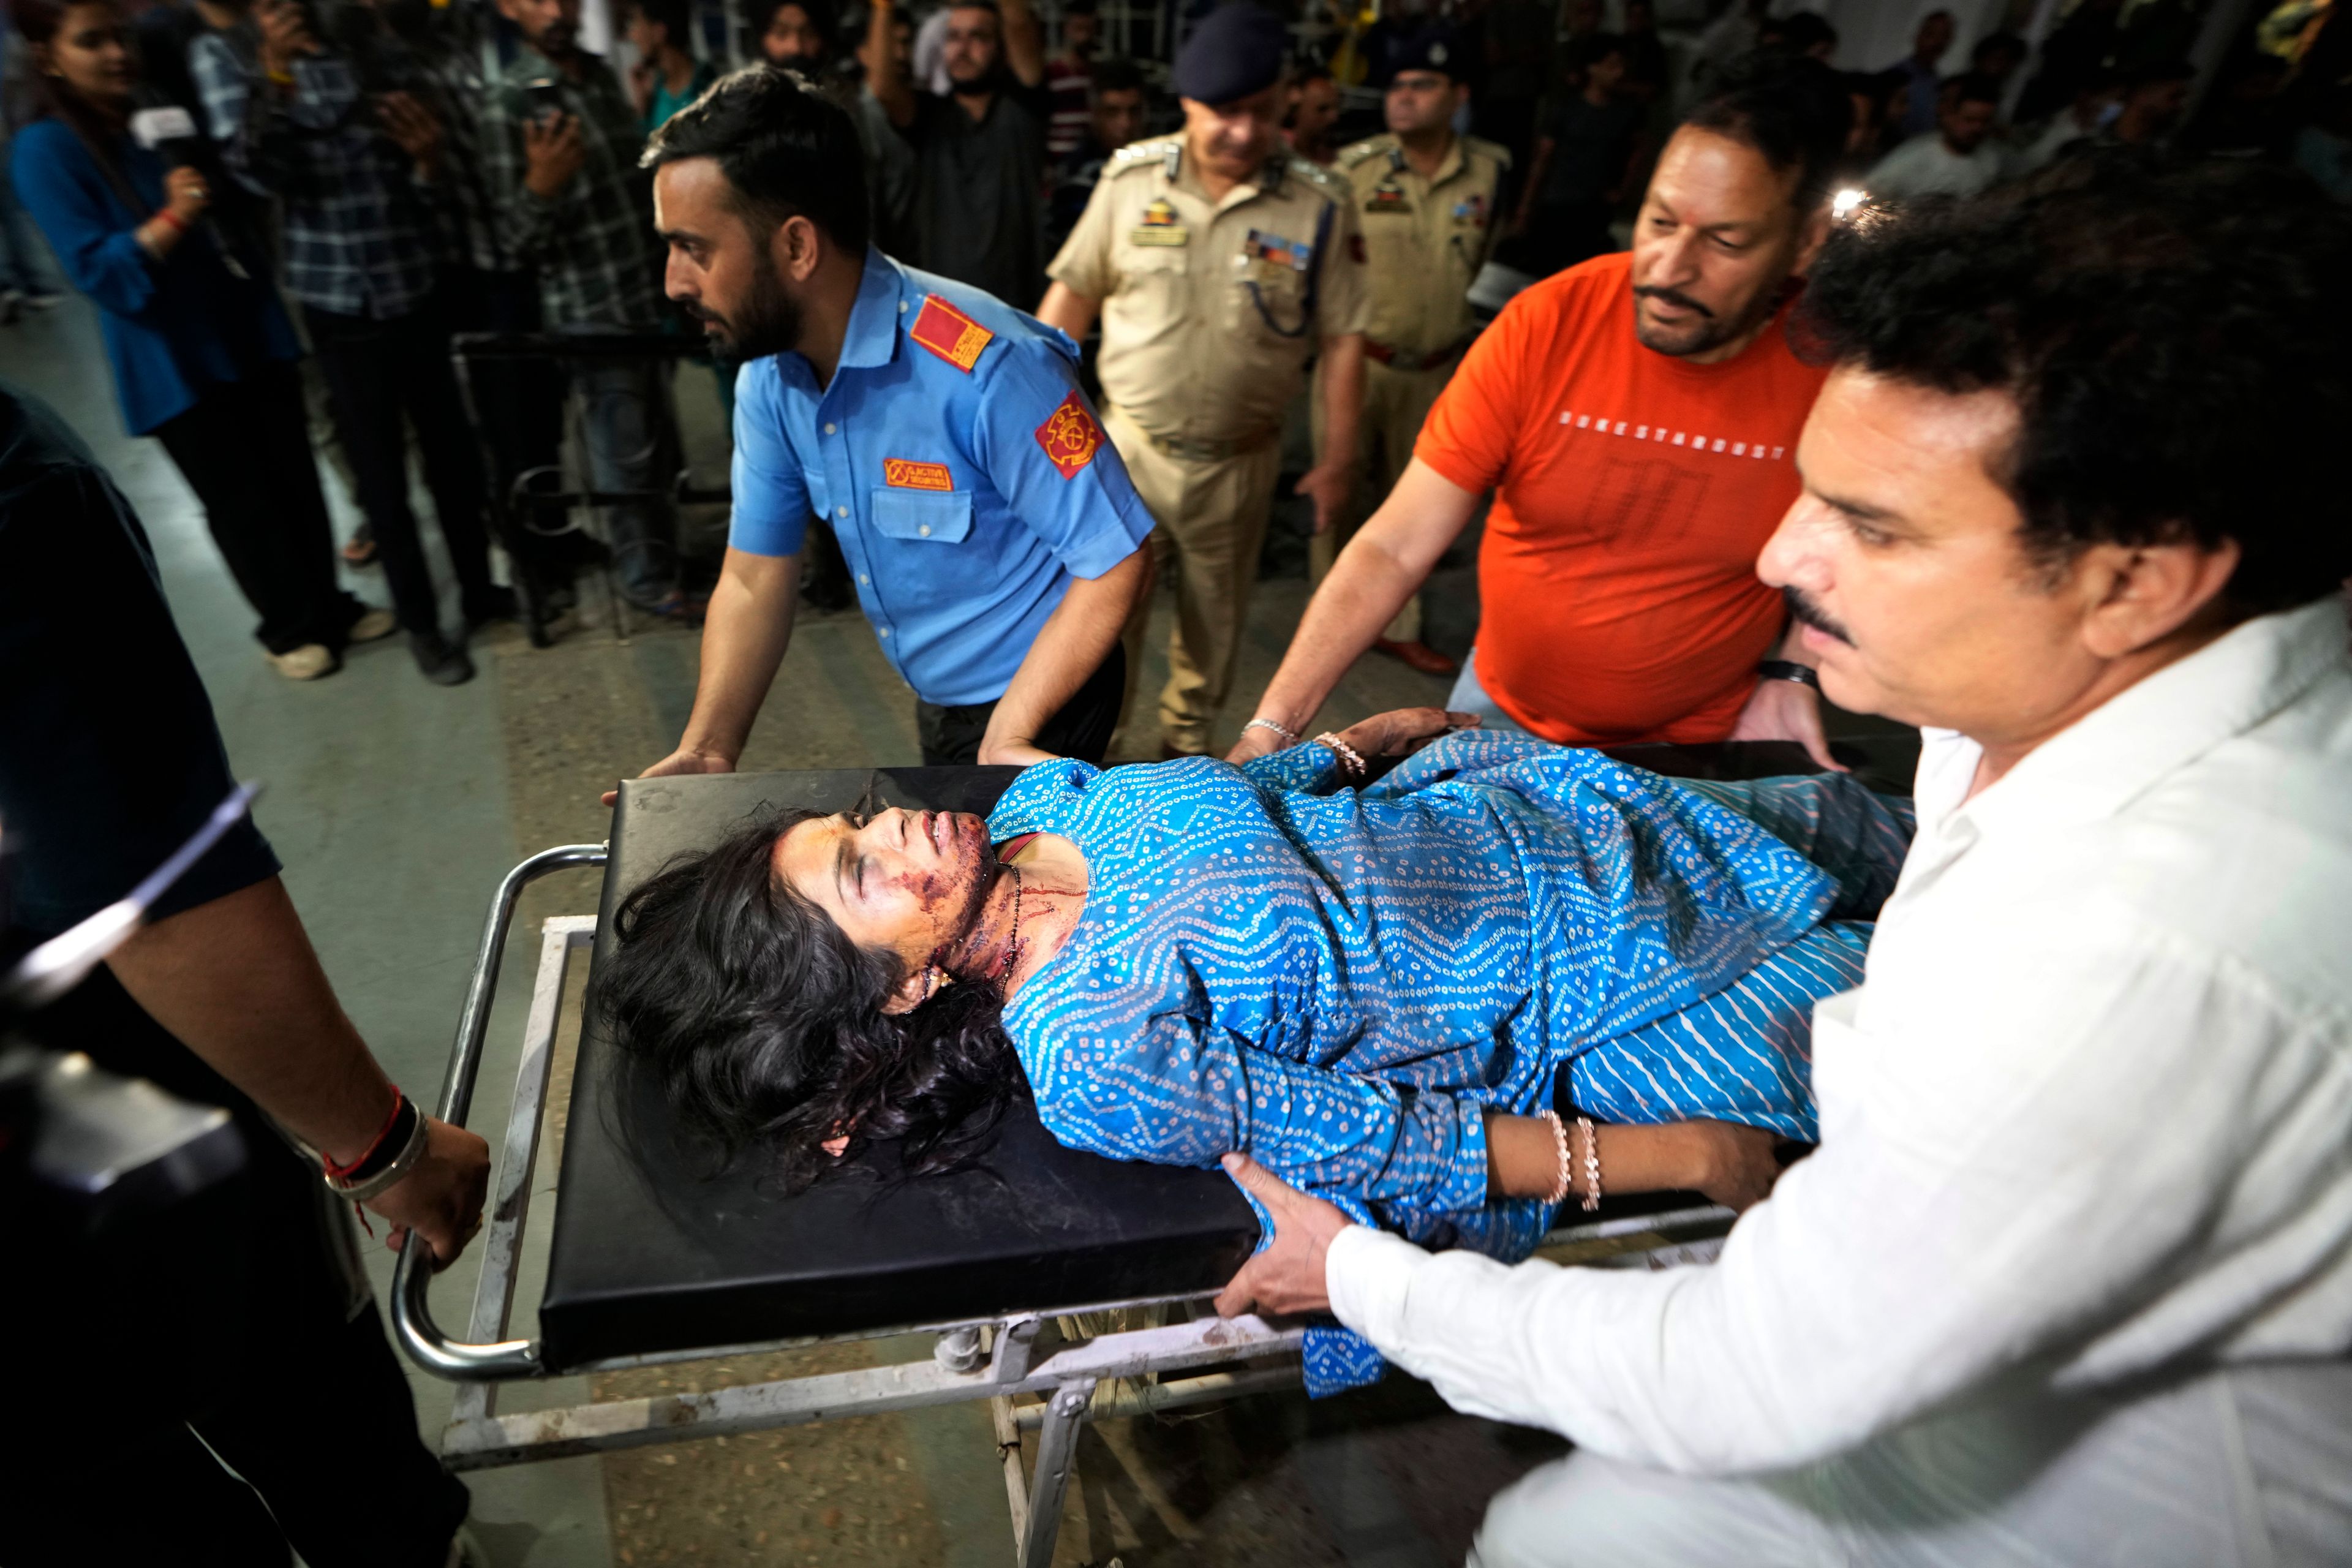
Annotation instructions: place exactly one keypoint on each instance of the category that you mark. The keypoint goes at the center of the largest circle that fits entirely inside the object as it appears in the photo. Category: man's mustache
(1672, 297)
(1803, 610)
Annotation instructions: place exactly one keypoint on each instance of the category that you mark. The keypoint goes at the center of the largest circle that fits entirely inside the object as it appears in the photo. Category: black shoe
(495, 603)
(443, 662)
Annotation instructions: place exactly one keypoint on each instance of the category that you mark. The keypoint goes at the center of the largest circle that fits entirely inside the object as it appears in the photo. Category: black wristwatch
(1785, 669)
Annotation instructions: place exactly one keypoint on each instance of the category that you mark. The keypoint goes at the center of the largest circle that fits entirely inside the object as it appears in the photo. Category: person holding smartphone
(356, 161)
(560, 141)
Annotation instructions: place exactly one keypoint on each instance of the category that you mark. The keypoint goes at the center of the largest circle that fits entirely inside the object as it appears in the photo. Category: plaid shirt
(459, 98)
(361, 237)
(598, 261)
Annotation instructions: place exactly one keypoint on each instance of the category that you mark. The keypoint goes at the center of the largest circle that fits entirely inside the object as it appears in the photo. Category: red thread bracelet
(340, 1171)
(179, 225)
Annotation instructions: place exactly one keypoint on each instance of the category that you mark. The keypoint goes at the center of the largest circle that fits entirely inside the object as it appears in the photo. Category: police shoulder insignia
(949, 333)
(1478, 146)
(906, 474)
(1322, 179)
(1371, 147)
(1070, 435)
(1139, 154)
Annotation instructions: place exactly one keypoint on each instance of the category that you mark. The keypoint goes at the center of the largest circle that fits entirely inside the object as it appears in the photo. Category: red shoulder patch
(1070, 435)
(949, 333)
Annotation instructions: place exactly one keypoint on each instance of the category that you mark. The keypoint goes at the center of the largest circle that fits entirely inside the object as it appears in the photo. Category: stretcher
(652, 1260)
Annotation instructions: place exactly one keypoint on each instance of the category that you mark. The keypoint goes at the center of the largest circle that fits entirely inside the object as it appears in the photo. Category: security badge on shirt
(1388, 196)
(1160, 225)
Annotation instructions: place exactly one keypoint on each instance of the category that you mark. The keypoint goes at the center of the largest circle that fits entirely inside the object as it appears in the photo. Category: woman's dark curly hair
(764, 1022)
(2177, 337)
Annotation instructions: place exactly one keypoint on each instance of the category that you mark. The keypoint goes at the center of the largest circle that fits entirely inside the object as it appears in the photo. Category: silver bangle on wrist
(391, 1176)
(1289, 737)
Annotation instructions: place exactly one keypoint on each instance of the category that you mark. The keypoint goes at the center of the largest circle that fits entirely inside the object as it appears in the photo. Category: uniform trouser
(1212, 515)
(1395, 404)
(2227, 1469)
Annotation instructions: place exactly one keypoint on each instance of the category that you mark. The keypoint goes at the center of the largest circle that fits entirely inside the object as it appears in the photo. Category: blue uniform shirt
(957, 462)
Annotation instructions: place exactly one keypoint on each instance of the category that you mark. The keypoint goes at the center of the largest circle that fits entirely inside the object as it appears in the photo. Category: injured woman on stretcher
(1370, 987)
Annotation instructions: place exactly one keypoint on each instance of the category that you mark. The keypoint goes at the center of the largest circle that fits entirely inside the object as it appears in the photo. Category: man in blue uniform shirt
(990, 528)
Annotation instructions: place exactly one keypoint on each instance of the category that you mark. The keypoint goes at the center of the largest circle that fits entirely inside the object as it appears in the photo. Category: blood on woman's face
(908, 881)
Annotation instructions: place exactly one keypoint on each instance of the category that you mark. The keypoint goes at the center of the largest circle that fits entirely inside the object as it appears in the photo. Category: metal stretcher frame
(997, 1359)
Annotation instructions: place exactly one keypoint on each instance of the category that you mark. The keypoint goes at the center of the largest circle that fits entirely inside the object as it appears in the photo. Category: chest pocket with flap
(910, 575)
(942, 517)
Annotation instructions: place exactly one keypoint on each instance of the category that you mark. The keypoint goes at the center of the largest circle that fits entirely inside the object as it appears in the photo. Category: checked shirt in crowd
(598, 259)
(959, 465)
(361, 233)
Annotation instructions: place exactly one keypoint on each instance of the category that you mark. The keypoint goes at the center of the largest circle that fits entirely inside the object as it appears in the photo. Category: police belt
(1200, 451)
(1408, 362)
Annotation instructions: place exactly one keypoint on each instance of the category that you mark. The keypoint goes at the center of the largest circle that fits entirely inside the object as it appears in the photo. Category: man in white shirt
(2070, 1278)
(1958, 158)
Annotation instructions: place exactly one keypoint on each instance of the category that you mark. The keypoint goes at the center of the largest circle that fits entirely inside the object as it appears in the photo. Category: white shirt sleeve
(2036, 1158)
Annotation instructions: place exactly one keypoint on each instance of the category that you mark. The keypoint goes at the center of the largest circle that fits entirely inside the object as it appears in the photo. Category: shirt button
(840, 511)
(828, 427)
(861, 576)
(925, 531)
(882, 632)
(902, 306)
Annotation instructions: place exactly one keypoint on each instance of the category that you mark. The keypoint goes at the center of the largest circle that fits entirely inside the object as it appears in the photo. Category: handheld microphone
(170, 132)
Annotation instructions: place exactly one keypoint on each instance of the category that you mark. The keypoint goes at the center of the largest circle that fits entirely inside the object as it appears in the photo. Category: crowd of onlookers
(241, 185)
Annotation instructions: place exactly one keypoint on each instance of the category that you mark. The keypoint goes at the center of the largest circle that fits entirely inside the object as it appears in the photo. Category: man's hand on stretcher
(1733, 1164)
(682, 760)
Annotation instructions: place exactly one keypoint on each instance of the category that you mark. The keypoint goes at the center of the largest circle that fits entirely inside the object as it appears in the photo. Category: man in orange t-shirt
(1637, 418)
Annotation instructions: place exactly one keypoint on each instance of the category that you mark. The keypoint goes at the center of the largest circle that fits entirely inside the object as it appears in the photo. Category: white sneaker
(308, 662)
(374, 627)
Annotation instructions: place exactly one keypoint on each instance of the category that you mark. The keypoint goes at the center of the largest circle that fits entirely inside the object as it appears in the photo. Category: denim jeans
(632, 444)
(1469, 697)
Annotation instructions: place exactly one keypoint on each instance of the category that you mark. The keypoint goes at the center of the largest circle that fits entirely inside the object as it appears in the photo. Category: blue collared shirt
(968, 484)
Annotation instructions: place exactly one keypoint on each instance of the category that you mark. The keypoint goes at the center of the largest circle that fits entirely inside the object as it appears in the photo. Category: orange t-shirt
(1633, 492)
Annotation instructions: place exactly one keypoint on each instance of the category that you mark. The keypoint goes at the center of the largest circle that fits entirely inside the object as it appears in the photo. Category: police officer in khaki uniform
(1220, 264)
(1428, 201)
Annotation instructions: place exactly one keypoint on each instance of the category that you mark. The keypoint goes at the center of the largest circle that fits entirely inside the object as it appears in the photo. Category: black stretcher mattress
(652, 1253)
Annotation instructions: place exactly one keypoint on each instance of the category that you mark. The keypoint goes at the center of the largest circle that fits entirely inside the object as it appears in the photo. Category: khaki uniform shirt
(1211, 310)
(1425, 238)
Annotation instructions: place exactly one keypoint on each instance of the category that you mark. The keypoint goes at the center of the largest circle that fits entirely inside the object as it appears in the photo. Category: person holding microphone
(203, 356)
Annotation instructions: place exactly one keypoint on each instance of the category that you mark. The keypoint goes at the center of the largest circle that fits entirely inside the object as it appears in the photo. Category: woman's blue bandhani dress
(1340, 982)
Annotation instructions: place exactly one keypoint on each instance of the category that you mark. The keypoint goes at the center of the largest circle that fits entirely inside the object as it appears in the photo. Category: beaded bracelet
(1559, 1194)
(1591, 1164)
(1347, 756)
